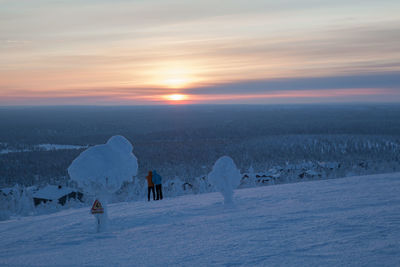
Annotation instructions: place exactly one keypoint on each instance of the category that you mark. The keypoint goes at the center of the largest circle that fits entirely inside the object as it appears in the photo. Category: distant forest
(185, 141)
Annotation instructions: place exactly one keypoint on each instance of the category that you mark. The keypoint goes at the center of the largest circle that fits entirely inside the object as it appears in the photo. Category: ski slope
(351, 221)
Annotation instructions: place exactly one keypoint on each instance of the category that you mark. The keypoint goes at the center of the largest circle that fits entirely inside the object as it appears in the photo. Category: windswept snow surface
(352, 222)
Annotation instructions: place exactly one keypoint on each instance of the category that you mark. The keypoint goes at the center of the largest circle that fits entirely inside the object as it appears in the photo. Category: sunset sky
(167, 52)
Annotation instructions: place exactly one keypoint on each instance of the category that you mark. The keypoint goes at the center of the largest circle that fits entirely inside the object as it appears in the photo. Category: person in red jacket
(150, 185)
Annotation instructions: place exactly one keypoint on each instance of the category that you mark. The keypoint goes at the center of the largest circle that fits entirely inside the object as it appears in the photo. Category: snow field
(351, 221)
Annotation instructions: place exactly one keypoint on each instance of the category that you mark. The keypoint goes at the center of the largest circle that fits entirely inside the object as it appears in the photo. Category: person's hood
(154, 172)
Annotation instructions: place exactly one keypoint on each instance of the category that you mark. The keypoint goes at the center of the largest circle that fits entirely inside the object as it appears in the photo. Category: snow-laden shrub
(225, 177)
(16, 201)
(25, 203)
(131, 191)
(103, 169)
(201, 185)
(5, 209)
(249, 179)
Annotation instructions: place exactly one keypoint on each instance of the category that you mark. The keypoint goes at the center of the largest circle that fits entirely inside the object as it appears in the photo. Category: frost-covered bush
(16, 201)
(225, 177)
(249, 179)
(103, 169)
(25, 203)
(5, 209)
(106, 166)
(201, 185)
(132, 191)
(174, 187)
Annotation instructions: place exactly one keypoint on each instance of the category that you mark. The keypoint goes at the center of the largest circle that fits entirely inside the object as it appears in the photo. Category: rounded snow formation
(225, 177)
(119, 142)
(105, 167)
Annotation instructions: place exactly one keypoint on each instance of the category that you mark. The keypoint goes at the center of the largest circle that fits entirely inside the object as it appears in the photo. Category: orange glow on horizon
(312, 94)
(125, 96)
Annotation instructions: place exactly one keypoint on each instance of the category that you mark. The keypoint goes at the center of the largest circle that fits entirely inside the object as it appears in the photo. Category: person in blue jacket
(157, 180)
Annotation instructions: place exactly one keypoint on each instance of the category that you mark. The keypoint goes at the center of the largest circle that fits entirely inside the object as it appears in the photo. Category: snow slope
(351, 221)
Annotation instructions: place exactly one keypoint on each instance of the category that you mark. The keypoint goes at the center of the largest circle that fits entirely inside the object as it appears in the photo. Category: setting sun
(176, 97)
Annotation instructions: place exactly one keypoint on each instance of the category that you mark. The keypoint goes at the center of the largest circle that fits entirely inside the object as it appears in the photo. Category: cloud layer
(128, 52)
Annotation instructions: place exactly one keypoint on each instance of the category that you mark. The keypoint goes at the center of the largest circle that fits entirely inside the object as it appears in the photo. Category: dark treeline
(185, 141)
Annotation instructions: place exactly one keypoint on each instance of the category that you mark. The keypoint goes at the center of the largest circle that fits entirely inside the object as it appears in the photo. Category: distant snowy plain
(353, 221)
(42, 147)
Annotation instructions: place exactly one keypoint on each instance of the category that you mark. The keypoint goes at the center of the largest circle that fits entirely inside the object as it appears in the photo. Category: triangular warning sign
(97, 207)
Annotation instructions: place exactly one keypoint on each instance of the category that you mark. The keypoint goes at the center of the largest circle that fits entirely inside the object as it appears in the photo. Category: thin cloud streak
(134, 49)
(273, 97)
(376, 80)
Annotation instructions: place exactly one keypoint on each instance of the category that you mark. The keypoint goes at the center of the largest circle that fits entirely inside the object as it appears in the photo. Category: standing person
(157, 181)
(150, 186)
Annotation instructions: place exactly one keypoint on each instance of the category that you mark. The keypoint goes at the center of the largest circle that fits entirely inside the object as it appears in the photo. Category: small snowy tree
(252, 176)
(102, 169)
(225, 177)
(25, 203)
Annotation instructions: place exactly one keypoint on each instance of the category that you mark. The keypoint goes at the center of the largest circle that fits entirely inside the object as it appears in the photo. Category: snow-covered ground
(352, 221)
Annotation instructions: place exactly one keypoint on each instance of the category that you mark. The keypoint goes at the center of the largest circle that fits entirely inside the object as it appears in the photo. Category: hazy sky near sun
(140, 52)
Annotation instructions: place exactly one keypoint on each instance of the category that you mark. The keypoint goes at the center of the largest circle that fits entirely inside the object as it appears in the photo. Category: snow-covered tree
(25, 203)
(225, 177)
(102, 169)
(251, 179)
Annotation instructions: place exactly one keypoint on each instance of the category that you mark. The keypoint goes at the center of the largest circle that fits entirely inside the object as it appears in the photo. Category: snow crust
(105, 166)
(225, 177)
(342, 222)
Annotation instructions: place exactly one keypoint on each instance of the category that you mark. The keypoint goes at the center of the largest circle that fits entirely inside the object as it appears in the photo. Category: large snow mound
(105, 166)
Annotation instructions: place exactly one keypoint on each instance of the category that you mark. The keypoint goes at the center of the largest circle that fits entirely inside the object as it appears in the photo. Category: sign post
(97, 210)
